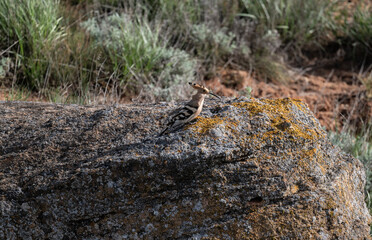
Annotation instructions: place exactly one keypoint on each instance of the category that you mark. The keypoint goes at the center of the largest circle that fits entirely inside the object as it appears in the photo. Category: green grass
(116, 49)
(18, 94)
(284, 15)
(35, 26)
(356, 28)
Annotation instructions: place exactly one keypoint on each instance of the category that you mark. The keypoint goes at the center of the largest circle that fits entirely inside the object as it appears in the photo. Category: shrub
(138, 52)
(213, 44)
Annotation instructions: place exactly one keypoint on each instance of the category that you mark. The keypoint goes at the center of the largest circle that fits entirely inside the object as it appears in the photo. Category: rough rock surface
(245, 169)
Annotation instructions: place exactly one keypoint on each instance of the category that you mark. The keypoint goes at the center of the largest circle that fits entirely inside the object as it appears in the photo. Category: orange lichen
(294, 189)
(280, 112)
(203, 124)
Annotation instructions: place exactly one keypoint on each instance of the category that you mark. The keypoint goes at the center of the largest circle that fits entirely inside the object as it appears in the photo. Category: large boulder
(244, 169)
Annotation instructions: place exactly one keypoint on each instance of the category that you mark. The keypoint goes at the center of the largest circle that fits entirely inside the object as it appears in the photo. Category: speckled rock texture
(244, 169)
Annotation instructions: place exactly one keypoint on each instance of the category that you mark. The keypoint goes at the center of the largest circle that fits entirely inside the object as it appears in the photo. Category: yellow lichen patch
(280, 112)
(344, 188)
(305, 159)
(294, 189)
(203, 124)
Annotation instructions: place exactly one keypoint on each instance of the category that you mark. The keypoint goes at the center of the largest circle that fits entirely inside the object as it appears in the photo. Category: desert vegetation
(106, 51)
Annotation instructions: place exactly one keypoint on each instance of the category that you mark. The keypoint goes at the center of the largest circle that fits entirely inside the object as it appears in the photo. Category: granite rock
(244, 169)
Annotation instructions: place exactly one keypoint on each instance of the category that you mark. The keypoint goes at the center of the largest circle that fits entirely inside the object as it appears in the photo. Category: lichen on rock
(244, 169)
